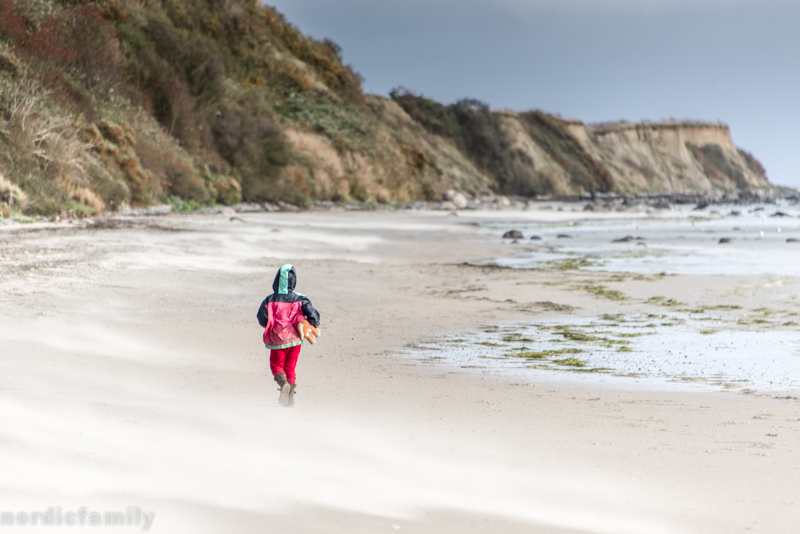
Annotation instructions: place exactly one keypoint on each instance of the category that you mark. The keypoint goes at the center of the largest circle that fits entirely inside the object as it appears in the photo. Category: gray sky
(594, 60)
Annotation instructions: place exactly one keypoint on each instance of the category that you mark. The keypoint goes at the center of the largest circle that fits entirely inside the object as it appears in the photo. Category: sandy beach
(133, 375)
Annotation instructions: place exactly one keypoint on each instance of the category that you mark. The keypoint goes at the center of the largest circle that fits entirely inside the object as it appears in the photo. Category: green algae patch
(753, 321)
(571, 362)
(528, 355)
(624, 349)
(489, 344)
(542, 354)
(664, 301)
(570, 264)
(708, 332)
(716, 307)
(636, 277)
(552, 306)
(516, 338)
(581, 337)
(603, 292)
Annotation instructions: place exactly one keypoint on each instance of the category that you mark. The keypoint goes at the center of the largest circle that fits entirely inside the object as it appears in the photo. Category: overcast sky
(736, 61)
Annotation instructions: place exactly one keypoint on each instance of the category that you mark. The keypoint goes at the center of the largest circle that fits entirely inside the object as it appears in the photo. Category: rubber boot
(280, 378)
(286, 389)
(292, 387)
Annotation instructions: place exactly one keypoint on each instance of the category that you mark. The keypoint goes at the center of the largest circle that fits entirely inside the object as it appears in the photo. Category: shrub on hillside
(115, 145)
(433, 116)
(175, 175)
(716, 166)
(12, 25)
(180, 180)
(477, 133)
(753, 163)
(161, 81)
(77, 39)
(254, 145)
(323, 56)
(345, 126)
(39, 149)
(194, 57)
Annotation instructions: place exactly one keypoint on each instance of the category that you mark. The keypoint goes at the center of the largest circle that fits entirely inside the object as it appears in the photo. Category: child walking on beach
(279, 314)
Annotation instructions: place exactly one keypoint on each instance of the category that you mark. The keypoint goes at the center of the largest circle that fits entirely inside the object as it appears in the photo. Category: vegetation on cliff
(108, 103)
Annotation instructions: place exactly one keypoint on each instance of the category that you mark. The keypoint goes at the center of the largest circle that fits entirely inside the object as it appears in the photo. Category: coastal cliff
(539, 153)
(112, 103)
(670, 156)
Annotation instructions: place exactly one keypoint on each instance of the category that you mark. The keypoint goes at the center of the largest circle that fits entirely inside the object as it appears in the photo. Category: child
(279, 314)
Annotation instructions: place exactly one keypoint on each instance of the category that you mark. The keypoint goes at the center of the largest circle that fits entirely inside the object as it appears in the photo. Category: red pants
(284, 361)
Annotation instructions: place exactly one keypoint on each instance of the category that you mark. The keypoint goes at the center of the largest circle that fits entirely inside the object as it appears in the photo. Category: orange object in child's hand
(308, 332)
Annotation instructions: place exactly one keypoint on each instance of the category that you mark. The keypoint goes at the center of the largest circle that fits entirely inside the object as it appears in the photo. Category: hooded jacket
(280, 312)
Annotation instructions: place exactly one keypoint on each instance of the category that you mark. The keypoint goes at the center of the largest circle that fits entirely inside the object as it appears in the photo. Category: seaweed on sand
(603, 292)
(552, 306)
(569, 264)
(664, 301)
(516, 338)
(571, 362)
(577, 335)
(540, 355)
(752, 321)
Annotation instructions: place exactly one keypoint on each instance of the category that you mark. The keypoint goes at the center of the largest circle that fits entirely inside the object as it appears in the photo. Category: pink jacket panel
(283, 318)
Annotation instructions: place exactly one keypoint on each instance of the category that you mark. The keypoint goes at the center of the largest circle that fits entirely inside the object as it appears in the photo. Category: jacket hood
(285, 280)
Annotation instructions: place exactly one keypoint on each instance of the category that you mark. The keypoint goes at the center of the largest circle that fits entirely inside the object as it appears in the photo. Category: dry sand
(133, 376)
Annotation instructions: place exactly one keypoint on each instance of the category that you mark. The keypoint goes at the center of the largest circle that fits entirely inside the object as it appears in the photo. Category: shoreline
(601, 203)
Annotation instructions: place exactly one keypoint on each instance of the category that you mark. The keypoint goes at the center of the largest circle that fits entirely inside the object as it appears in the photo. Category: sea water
(676, 349)
(645, 350)
(687, 243)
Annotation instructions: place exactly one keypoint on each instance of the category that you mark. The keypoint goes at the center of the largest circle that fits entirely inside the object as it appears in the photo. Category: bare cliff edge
(670, 156)
(110, 103)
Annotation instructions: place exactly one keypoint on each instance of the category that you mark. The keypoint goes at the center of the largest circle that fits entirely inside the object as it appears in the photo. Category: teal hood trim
(285, 280)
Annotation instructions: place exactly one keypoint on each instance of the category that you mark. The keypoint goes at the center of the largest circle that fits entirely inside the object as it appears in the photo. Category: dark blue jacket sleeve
(310, 312)
(262, 314)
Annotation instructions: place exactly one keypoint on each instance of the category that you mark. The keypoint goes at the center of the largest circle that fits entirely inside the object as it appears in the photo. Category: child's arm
(311, 313)
(262, 314)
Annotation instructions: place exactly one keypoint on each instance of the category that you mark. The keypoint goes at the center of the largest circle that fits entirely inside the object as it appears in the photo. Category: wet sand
(133, 375)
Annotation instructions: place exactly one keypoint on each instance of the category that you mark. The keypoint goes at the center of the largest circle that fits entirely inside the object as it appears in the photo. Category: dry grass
(12, 198)
(41, 151)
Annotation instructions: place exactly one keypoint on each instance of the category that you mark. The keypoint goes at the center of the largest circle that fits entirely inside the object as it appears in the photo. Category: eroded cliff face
(669, 156)
(644, 157)
(534, 152)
